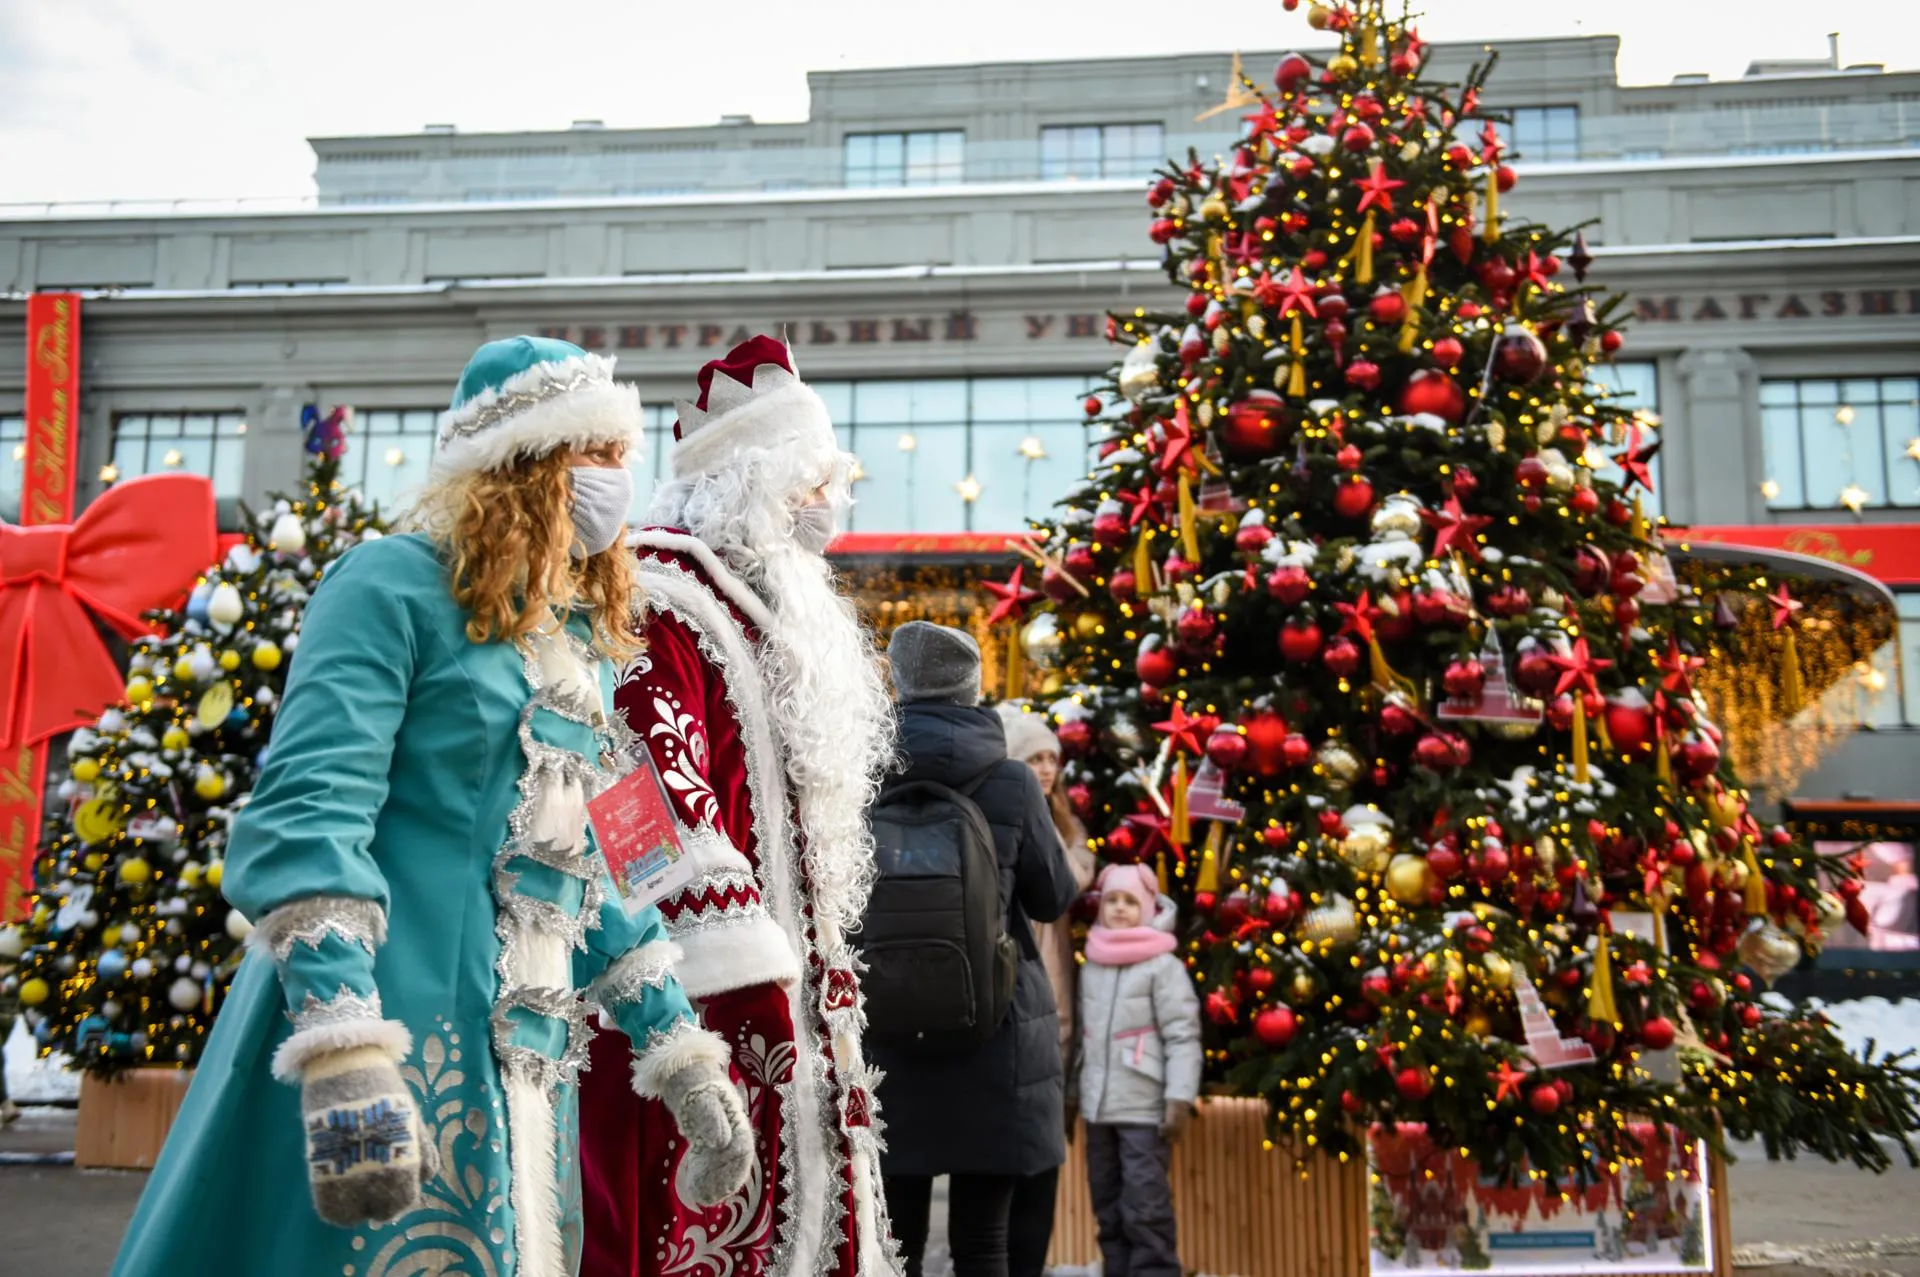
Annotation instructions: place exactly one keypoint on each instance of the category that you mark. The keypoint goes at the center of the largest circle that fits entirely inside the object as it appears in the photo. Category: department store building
(941, 244)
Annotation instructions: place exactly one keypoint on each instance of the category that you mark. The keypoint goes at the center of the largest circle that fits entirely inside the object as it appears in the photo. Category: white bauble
(203, 663)
(243, 559)
(372, 534)
(111, 1009)
(1140, 372)
(289, 535)
(225, 606)
(142, 968)
(182, 963)
(13, 942)
(237, 925)
(199, 970)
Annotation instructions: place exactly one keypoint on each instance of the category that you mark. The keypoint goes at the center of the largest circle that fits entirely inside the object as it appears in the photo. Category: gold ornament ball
(1333, 923)
(86, 770)
(1832, 913)
(94, 861)
(135, 872)
(1339, 762)
(34, 991)
(1342, 66)
(110, 937)
(1408, 879)
(174, 738)
(1053, 684)
(1478, 1025)
(1723, 809)
(1319, 17)
(214, 872)
(1086, 625)
(1139, 372)
(267, 656)
(1303, 988)
(229, 660)
(1368, 848)
(209, 785)
(183, 669)
(1499, 970)
(1398, 515)
(1770, 951)
(1214, 208)
(1042, 641)
(139, 690)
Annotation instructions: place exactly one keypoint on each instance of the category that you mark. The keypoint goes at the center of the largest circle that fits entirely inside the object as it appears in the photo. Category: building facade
(942, 244)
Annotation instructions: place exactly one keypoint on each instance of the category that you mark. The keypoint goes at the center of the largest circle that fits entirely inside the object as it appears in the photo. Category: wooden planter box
(123, 1123)
(1244, 1212)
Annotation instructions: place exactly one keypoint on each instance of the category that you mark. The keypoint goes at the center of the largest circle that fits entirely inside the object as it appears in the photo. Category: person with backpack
(961, 1021)
(1139, 1071)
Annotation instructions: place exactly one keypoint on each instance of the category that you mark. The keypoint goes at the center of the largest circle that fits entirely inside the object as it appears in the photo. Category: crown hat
(751, 398)
(525, 397)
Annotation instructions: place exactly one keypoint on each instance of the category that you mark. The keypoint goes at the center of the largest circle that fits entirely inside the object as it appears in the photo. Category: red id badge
(639, 839)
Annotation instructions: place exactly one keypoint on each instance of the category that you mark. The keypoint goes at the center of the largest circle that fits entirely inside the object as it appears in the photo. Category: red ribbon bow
(135, 549)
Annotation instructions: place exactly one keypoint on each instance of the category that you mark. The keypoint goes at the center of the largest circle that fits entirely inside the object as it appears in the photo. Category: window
(651, 469)
(1633, 384)
(13, 466)
(906, 159)
(979, 454)
(1069, 151)
(388, 453)
(1542, 134)
(210, 443)
(1905, 677)
(1841, 442)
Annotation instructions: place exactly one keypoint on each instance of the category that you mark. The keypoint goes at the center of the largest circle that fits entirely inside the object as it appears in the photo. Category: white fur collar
(738, 592)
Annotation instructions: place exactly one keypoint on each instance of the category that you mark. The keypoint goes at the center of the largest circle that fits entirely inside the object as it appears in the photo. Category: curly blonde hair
(508, 534)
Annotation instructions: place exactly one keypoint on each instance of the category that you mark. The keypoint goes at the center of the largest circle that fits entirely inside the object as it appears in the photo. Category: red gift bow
(135, 549)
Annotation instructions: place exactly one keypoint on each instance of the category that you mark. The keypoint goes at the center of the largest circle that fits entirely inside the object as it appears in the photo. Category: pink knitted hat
(1136, 880)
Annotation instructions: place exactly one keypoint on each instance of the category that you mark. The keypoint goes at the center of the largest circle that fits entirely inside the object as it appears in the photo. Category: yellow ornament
(215, 704)
(174, 737)
(209, 784)
(214, 873)
(135, 872)
(267, 656)
(1723, 809)
(33, 992)
(86, 770)
(229, 660)
(110, 937)
(93, 861)
(1342, 66)
(1477, 1024)
(1086, 625)
(1214, 208)
(1319, 17)
(183, 669)
(1053, 684)
(1499, 970)
(1770, 951)
(1832, 913)
(1303, 988)
(96, 820)
(1409, 879)
(1369, 841)
(139, 690)
(190, 873)
(1333, 923)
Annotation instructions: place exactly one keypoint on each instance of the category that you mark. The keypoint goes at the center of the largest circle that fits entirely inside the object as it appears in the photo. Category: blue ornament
(260, 759)
(113, 964)
(92, 1032)
(326, 436)
(197, 602)
(239, 717)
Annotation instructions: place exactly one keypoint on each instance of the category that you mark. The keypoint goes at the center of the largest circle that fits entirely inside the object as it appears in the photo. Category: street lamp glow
(1032, 449)
(908, 442)
(1844, 414)
(969, 489)
(1853, 496)
(173, 459)
(396, 457)
(1770, 489)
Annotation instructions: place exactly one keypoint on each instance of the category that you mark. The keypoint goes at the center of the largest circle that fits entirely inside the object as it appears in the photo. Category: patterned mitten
(707, 1109)
(366, 1157)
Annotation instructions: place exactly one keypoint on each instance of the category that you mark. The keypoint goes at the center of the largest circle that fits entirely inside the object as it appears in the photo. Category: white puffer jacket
(1139, 1036)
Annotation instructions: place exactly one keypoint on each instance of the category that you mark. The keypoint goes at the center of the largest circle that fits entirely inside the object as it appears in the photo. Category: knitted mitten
(707, 1109)
(366, 1159)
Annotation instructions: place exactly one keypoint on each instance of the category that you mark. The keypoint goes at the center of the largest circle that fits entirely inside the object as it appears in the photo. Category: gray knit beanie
(933, 663)
(1027, 733)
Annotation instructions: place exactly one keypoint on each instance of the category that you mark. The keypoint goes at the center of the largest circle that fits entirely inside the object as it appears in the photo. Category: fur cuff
(686, 1043)
(309, 1044)
(645, 966)
(739, 950)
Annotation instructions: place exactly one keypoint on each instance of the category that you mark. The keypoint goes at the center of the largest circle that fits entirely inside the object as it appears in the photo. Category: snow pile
(31, 1080)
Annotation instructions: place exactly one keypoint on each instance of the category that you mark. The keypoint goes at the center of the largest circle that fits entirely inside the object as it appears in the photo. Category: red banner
(53, 407)
(985, 545)
(1888, 552)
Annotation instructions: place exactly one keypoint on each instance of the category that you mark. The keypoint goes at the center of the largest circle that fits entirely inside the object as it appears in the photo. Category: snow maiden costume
(430, 907)
(764, 709)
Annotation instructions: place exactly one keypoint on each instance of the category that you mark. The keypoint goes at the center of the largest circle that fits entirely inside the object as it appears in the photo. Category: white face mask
(814, 526)
(602, 496)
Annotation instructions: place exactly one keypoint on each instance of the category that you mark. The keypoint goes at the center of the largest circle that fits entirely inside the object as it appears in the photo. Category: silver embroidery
(344, 1007)
(311, 920)
(458, 425)
(531, 1063)
(643, 967)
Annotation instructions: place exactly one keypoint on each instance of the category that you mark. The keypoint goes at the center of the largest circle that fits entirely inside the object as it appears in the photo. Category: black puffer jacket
(999, 1108)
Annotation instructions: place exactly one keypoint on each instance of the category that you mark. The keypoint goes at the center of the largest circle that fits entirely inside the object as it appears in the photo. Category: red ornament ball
(1080, 798)
(1436, 753)
(1274, 1027)
(1163, 230)
(1387, 307)
(1413, 1084)
(1252, 538)
(1341, 657)
(1109, 529)
(1505, 178)
(1630, 727)
(1434, 393)
(1299, 641)
(1611, 340)
(1353, 498)
(1398, 720)
(1519, 356)
(1658, 1033)
(1254, 428)
(1536, 672)
(1075, 737)
(1531, 473)
(1492, 864)
(1123, 586)
(1227, 748)
(1260, 979)
(1156, 665)
(1464, 679)
(1349, 457)
(1160, 192)
(1357, 138)
(1447, 352)
(1296, 750)
(1289, 583)
(1583, 501)
(1195, 628)
(1292, 71)
(1363, 374)
(1544, 1100)
(1266, 734)
(1445, 861)
(1093, 405)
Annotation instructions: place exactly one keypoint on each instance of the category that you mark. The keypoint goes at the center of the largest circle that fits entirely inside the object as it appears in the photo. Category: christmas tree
(128, 947)
(1357, 631)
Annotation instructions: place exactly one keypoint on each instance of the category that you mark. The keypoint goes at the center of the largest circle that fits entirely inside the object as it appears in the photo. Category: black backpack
(940, 965)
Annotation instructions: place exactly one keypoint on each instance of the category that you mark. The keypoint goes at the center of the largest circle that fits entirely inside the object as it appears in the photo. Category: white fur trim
(738, 592)
(737, 953)
(303, 1047)
(532, 1131)
(686, 1043)
(788, 416)
(602, 411)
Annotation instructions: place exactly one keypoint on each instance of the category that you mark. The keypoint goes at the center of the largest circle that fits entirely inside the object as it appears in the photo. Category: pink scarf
(1124, 946)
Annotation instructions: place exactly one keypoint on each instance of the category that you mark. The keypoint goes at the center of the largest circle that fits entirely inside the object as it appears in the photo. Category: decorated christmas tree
(1359, 633)
(128, 947)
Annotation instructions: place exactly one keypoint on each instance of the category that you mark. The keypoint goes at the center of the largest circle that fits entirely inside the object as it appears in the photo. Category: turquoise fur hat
(524, 397)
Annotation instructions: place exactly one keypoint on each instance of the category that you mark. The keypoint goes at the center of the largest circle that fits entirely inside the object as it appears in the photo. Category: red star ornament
(1358, 617)
(1490, 144)
(1176, 450)
(1534, 271)
(1268, 292)
(1377, 189)
(1455, 529)
(1506, 1081)
(1634, 460)
(1187, 731)
(1145, 506)
(1784, 606)
(1014, 596)
(1246, 248)
(1678, 668)
(1297, 294)
(1577, 668)
(1264, 122)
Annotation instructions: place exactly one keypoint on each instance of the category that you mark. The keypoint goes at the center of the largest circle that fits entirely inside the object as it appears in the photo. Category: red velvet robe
(782, 994)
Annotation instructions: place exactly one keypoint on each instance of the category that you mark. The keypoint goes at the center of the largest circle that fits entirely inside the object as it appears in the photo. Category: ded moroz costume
(432, 917)
(765, 712)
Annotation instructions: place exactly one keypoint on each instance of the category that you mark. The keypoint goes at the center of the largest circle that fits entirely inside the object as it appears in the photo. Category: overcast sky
(214, 98)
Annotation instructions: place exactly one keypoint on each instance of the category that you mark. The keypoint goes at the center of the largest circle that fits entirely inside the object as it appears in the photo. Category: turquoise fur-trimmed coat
(420, 872)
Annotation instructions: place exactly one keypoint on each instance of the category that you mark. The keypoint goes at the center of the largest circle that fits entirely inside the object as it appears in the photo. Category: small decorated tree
(128, 946)
(1359, 633)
